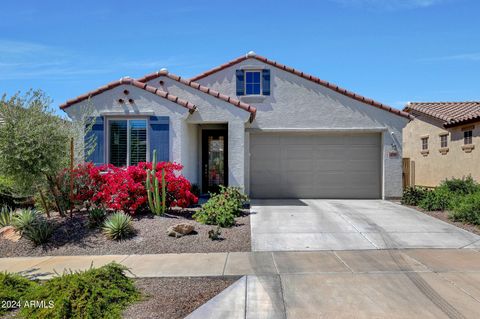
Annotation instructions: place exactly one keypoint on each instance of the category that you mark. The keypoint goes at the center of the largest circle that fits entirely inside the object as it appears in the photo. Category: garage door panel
(315, 165)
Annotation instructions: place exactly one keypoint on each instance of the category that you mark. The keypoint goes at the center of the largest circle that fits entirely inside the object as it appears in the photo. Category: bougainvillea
(120, 188)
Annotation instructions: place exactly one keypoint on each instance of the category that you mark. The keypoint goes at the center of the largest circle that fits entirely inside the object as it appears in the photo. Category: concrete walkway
(316, 224)
(409, 283)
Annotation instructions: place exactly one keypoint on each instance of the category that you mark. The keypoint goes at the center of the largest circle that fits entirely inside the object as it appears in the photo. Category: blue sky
(393, 51)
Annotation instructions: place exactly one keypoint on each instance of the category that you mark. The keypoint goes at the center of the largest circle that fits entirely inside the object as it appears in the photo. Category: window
(443, 141)
(424, 143)
(252, 82)
(467, 137)
(127, 142)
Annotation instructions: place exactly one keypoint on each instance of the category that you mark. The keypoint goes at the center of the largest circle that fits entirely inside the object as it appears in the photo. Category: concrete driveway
(310, 224)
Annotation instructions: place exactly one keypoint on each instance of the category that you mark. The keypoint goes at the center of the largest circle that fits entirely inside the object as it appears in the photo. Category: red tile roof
(138, 84)
(451, 113)
(226, 98)
(305, 76)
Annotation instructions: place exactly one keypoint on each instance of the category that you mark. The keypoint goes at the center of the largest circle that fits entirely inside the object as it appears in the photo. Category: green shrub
(13, 287)
(96, 293)
(221, 209)
(460, 186)
(6, 215)
(413, 195)
(467, 209)
(438, 199)
(96, 217)
(24, 219)
(40, 232)
(118, 226)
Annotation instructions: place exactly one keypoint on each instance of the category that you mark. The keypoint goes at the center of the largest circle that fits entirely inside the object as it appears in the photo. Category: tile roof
(226, 98)
(129, 81)
(308, 77)
(451, 113)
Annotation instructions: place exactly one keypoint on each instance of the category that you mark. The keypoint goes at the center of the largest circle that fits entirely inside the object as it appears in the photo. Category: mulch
(443, 215)
(74, 237)
(175, 297)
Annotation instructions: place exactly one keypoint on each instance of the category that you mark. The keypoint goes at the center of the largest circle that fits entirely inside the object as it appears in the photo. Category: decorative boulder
(9, 233)
(180, 230)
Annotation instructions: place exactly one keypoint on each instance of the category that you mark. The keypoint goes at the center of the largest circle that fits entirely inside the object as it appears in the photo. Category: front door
(214, 160)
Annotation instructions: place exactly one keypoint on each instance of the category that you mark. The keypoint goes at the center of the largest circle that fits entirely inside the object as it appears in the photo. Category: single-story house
(270, 129)
(440, 142)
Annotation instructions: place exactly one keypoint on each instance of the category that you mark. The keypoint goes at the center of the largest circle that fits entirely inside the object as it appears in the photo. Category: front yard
(73, 236)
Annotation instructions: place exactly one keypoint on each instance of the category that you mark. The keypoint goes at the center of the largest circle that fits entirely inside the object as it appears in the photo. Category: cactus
(157, 205)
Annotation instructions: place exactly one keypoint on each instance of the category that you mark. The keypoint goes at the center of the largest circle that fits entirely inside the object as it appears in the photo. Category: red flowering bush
(124, 188)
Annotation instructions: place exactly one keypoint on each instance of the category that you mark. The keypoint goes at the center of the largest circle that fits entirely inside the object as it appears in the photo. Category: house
(440, 142)
(253, 123)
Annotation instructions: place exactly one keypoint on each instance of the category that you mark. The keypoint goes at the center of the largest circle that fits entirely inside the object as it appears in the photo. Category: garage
(303, 165)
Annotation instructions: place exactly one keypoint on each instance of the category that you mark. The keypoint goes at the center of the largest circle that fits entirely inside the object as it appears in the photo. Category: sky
(393, 51)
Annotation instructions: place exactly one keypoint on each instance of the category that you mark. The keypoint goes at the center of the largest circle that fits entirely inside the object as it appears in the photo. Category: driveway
(310, 224)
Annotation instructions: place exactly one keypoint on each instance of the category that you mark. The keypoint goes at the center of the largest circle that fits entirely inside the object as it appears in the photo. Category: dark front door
(214, 160)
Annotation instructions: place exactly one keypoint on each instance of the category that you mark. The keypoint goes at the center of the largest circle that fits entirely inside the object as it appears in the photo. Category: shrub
(40, 232)
(460, 186)
(467, 209)
(438, 199)
(96, 293)
(413, 195)
(13, 287)
(118, 226)
(24, 219)
(96, 217)
(6, 215)
(221, 209)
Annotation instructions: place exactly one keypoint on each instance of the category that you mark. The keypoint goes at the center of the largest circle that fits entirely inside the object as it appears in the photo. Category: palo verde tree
(34, 143)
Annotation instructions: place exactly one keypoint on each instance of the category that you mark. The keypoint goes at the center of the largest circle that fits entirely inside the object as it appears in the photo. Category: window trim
(128, 119)
(442, 137)
(470, 132)
(422, 139)
(245, 81)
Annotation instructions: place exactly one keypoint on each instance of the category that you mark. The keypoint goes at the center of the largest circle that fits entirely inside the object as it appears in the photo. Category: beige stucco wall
(432, 168)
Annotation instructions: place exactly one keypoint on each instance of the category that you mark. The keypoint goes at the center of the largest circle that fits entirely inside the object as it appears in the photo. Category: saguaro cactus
(157, 205)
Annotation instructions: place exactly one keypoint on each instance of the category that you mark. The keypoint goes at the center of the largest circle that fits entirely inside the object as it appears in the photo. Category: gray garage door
(286, 165)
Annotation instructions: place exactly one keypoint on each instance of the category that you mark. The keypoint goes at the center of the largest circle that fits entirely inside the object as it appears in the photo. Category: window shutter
(266, 82)
(159, 137)
(96, 134)
(240, 82)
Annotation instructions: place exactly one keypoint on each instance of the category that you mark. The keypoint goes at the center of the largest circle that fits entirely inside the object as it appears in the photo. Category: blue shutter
(97, 132)
(266, 81)
(159, 137)
(240, 82)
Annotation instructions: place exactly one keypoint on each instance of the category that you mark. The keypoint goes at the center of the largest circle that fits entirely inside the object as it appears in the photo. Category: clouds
(390, 5)
(464, 57)
(30, 60)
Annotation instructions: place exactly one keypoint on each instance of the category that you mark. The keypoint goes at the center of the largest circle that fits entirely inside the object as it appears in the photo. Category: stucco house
(441, 141)
(275, 131)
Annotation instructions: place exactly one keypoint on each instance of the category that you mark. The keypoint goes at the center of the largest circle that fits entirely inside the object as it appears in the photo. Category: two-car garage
(315, 165)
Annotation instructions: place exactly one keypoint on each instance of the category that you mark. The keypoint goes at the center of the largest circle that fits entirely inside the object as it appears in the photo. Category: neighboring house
(442, 141)
(253, 123)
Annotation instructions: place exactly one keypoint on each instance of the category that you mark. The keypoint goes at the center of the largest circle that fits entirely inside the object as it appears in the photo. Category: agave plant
(118, 226)
(24, 219)
(96, 217)
(40, 232)
(6, 214)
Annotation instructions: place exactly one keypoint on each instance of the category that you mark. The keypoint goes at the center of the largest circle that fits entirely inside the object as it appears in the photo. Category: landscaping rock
(180, 230)
(9, 233)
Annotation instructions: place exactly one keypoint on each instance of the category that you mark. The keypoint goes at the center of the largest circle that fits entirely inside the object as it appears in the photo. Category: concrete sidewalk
(407, 283)
(257, 263)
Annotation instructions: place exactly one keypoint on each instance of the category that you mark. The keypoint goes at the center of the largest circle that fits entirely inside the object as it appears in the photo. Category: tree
(34, 143)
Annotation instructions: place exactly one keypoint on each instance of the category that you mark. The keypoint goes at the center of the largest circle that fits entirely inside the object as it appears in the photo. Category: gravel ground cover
(175, 297)
(74, 237)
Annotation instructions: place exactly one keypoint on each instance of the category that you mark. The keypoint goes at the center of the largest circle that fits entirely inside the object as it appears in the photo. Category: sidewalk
(257, 263)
